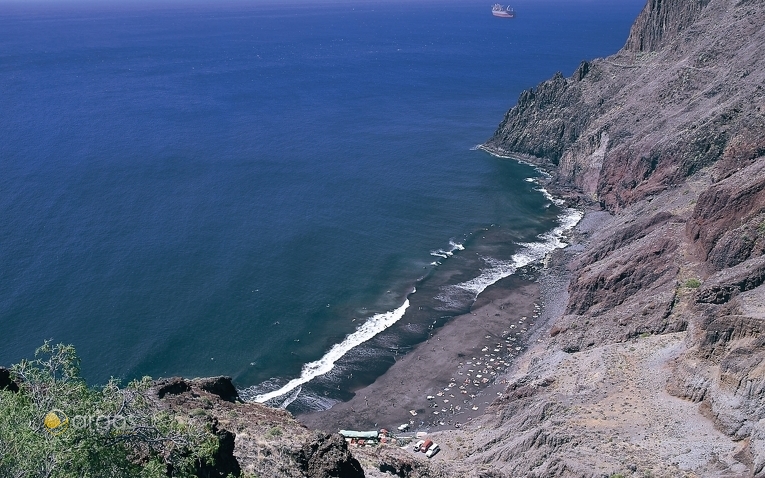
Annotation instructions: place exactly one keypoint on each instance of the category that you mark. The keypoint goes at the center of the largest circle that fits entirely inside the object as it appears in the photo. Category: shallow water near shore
(198, 189)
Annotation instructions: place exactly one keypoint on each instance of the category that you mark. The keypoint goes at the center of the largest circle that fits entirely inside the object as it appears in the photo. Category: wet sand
(460, 366)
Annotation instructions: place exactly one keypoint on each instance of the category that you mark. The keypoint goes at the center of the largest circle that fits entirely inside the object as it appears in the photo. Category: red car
(426, 445)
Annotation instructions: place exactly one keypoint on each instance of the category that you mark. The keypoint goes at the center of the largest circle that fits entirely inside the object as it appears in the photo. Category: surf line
(529, 253)
(376, 324)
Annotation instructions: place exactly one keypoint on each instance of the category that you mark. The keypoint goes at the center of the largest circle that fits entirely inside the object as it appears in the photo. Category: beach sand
(460, 366)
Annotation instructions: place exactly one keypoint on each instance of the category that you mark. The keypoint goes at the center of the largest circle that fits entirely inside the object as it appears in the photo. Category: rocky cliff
(254, 440)
(663, 328)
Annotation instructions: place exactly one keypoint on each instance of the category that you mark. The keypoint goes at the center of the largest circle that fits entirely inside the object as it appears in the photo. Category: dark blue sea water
(202, 188)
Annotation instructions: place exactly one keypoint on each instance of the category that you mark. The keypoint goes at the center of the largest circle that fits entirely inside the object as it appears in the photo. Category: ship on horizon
(499, 11)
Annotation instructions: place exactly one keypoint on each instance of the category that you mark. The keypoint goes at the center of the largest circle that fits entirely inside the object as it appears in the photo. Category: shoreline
(526, 303)
(528, 256)
(452, 378)
(460, 366)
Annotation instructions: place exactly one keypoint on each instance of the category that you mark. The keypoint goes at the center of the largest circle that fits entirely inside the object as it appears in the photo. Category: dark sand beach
(460, 367)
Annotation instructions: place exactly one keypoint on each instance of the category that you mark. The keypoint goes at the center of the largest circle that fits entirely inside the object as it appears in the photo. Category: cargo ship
(499, 11)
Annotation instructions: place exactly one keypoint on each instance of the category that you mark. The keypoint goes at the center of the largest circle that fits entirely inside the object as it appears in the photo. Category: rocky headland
(656, 366)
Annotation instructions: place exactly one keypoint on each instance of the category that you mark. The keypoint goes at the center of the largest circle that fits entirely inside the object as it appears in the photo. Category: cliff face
(679, 97)
(668, 137)
(660, 22)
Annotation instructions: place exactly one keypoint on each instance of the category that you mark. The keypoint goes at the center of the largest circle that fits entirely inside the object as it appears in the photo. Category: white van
(433, 450)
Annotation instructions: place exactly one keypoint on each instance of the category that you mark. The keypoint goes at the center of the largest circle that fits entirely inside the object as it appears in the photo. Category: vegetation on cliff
(54, 425)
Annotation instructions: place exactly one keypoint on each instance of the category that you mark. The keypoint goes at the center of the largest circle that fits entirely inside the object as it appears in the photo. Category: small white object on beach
(413, 413)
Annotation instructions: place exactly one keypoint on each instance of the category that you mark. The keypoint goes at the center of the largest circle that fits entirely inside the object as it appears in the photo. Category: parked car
(428, 443)
(418, 445)
(433, 450)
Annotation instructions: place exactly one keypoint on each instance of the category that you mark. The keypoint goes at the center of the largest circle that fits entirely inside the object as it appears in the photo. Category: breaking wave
(373, 326)
(496, 270)
(445, 254)
(453, 296)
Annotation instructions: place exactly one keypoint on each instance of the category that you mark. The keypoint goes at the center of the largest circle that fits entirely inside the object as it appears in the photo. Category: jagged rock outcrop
(723, 286)
(327, 455)
(626, 127)
(253, 438)
(728, 221)
(660, 22)
(6, 383)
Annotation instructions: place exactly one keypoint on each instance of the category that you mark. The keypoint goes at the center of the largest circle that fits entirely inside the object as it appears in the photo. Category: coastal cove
(240, 203)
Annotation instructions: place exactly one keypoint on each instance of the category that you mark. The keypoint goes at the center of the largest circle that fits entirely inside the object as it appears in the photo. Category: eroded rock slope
(657, 366)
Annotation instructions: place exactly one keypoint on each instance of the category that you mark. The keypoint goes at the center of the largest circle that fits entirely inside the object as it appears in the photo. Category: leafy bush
(56, 426)
(692, 283)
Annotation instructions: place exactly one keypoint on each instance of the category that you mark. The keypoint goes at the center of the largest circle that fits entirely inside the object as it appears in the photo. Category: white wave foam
(528, 253)
(456, 246)
(549, 197)
(444, 254)
(497, 270)
(293, 396)
(373, 326)
(515, 157)
(316, 402)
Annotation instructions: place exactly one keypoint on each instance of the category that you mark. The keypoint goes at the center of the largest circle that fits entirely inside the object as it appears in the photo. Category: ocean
(286, 193)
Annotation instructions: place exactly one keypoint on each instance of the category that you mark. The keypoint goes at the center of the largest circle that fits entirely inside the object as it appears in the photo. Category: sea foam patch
(445, 254)
(373, 326)
(497, 270)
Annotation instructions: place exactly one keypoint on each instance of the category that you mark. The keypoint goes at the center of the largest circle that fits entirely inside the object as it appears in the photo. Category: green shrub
(692, 283)
(56, 426)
